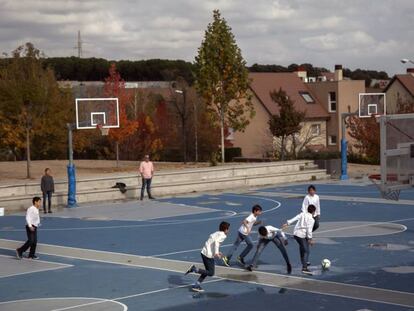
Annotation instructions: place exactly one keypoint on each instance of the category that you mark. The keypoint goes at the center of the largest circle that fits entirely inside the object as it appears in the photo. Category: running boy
(32, 222)
(312, 198)
(303, 234)
(271, 234)
(210, 250)
(243, 235)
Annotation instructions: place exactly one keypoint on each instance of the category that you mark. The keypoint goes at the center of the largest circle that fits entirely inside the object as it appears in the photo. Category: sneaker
(34, 257)
(197, 288)
(307, 271)
(226, 261)
(289, 268)
(190, 270)
(241, 260)
(18, 255)
(151, 198)
(249, 268)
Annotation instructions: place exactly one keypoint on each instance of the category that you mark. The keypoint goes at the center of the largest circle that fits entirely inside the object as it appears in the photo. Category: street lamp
(183, 92)
(406, 60)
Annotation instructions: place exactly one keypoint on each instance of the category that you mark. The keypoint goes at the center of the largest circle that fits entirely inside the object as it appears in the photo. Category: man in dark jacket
(48, 187)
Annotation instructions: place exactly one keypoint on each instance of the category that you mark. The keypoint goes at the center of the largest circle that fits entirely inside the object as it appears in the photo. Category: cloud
(358, 34)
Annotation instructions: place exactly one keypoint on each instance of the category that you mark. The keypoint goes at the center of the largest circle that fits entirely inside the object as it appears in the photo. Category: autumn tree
(115, 87)
(33, 107)
(287, 122)
(222, 78)
(366, 132)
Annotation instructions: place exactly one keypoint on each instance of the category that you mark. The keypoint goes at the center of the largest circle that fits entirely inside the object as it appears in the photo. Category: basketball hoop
(104, 130)
(389, 194)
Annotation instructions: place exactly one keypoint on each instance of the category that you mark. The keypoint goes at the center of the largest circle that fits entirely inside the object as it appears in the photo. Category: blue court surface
(117, 260)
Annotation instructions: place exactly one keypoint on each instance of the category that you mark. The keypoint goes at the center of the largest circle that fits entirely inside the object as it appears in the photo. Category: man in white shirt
(271, 234)
(312, 199)
(210, 251)
(303, 234)
(32, 223)
(244, 235)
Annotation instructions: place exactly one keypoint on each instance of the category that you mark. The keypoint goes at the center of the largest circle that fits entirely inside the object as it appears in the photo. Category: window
(332, 140)
(307, 97)
(315, 129)
(332, 102)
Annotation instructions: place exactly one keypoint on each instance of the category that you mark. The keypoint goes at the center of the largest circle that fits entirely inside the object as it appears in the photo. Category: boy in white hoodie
(303, 234)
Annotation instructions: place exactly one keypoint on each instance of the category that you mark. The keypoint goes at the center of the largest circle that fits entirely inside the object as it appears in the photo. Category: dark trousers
(146, 182)
(303, 250)
(209, 268)
(48, 195)
(241, 238)
(316, 224)
(31, 242)
(263, 243)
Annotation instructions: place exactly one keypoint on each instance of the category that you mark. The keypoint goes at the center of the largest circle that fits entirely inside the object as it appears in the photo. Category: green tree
(222, 78)
(32, 107)
(287, 122)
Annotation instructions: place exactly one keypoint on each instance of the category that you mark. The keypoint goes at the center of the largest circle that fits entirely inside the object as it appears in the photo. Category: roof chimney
(410, 71)
(338, 73)
(301, 72)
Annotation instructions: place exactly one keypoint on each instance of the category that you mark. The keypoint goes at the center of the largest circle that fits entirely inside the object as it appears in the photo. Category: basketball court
(111, 257)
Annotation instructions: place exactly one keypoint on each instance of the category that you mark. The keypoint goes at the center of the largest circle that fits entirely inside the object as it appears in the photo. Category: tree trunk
(282, 149)
(117, 154)
(222, 136)
(28, 152)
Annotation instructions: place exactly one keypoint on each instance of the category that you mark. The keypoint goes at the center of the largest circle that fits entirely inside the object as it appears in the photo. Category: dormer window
(307, 97)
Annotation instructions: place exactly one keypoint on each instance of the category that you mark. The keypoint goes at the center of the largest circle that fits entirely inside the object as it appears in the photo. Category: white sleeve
(318, 206)
(29, 217)
(305, 204)
(296, 218)
(309, 227)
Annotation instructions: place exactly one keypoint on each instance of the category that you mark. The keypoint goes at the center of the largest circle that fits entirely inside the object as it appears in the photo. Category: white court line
(136, 295)
(316, 235)
(233, 215)
(232, 279)
(62, 266)
(368, 225)
(101, 300)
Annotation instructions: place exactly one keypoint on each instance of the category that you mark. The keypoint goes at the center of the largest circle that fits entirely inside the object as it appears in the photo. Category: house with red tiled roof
(257, 141)
(400, 90)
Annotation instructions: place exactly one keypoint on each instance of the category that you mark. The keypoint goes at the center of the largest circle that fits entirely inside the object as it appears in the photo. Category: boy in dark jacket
(47, 185)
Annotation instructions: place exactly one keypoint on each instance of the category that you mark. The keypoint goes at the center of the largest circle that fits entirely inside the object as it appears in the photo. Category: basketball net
(104, 130)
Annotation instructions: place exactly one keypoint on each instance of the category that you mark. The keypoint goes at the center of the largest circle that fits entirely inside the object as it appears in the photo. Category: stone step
(14, 203)
(211, 173)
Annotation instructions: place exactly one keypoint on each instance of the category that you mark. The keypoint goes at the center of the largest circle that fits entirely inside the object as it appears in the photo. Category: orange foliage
(115, 87)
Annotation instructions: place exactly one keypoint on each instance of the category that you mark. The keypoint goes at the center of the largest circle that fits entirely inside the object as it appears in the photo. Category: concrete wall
(347, 97)
(18, 197)
(256, 140)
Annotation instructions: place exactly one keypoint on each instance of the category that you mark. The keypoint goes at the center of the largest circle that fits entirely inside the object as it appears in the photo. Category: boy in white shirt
(243, 235)
(32, 222)
(312, 198)
(303, 234)
(210, 250)
(271, 234)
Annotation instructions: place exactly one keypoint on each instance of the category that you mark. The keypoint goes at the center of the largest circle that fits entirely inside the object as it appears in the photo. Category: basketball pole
(344, 146)
(71, 170)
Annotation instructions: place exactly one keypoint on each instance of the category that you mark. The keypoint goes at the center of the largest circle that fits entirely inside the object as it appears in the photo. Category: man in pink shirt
(146, 169)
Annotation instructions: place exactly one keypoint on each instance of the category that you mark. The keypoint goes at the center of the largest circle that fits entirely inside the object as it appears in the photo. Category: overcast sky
(372, 34)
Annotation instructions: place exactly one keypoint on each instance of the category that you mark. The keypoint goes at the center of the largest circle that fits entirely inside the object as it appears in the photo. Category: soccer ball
(326, 264)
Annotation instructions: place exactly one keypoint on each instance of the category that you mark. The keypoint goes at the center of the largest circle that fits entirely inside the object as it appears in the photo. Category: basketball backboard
(397, 153)
(372, 104)
(94, 112)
